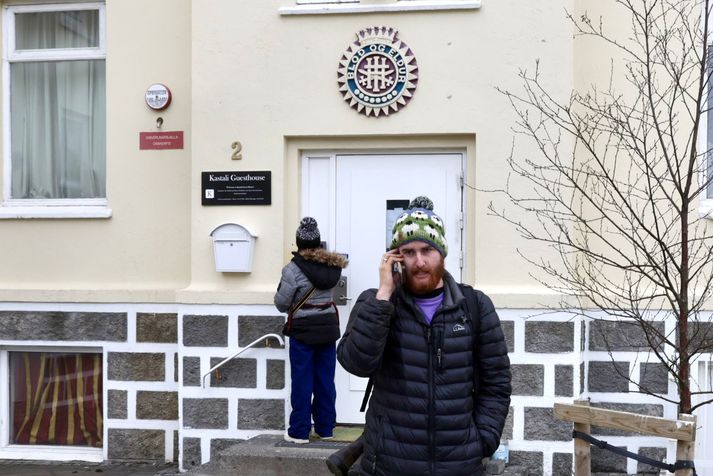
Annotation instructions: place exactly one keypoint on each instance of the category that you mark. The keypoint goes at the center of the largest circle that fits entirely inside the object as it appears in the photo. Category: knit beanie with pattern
(307, 234)
(419, 223)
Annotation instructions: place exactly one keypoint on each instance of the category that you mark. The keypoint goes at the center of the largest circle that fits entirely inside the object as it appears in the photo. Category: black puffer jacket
(423, 417)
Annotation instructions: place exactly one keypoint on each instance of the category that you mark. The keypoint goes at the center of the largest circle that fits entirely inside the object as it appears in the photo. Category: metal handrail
(220, 364)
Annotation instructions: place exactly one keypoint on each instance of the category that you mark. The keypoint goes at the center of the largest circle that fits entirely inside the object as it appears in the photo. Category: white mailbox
(233, 248)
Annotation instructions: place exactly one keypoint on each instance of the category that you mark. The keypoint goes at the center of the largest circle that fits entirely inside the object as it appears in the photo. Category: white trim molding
(325, 7)
(21, 212)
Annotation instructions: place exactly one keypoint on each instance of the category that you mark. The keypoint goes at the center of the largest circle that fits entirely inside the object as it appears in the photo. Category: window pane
(56, 399)
(58, 136)
(47, 30)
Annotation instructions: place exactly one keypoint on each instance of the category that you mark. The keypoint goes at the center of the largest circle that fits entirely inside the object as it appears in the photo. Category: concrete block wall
(545, 357)
(247, 396)
(558, 358)
(157, 409)
(142, 389)
(138, 344)
(616, 360)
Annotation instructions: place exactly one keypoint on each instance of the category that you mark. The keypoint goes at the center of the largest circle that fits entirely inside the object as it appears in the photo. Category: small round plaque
(158, 97)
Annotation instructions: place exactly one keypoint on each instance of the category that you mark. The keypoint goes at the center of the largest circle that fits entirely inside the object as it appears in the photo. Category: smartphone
(397, 270)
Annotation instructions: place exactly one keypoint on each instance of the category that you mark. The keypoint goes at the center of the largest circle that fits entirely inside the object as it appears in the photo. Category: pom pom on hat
(419, 223)
(307, 235)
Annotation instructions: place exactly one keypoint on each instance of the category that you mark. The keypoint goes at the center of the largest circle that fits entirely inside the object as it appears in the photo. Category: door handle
(339, 293)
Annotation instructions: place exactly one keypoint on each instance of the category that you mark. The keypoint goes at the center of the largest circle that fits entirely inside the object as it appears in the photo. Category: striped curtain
(56, 399)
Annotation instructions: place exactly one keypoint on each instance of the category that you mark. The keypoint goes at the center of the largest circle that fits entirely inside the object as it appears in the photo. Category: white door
(351, 195)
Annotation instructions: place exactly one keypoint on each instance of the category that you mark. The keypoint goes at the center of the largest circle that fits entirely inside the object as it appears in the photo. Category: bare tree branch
(614, 186)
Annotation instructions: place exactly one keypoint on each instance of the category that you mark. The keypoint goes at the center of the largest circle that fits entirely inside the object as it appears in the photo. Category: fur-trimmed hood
(323, 268)
(320, 255)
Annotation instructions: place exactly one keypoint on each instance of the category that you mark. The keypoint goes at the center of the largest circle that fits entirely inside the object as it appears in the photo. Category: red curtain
(56, 399)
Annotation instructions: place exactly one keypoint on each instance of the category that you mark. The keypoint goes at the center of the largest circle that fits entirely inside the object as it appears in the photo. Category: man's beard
(425, 286)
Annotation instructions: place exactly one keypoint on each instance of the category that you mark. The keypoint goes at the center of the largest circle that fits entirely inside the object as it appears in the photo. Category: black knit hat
(307, 234)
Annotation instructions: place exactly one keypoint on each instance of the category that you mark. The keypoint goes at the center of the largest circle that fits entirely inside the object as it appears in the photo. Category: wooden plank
(582, 449)
(685, 450)
(647, 425)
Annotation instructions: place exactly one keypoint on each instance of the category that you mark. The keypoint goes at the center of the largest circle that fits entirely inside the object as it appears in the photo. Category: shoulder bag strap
(473, 309)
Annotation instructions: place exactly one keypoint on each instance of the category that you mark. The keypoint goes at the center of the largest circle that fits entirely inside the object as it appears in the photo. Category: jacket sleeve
(492, 400)
(362, 345)
(286, 290)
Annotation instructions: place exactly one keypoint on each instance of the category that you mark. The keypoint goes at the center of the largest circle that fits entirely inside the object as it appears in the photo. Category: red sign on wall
(161, 140)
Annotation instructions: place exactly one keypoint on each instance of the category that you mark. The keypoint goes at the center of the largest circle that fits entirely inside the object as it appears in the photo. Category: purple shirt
(429, 306)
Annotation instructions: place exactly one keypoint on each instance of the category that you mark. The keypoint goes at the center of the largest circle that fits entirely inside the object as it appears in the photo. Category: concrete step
(270, 455)
(516, 471)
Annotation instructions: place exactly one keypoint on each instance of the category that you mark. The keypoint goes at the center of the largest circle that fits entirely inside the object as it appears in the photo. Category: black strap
(298, 305)
(472, 307)
(320, 307)
(367, 392)
(680, 464)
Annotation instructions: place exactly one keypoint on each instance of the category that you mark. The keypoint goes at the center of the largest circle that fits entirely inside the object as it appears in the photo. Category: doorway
(355, 198)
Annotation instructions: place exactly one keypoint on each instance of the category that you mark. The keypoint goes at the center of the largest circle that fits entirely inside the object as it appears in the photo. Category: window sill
(393, 6)
(77, 211)
(52, 453)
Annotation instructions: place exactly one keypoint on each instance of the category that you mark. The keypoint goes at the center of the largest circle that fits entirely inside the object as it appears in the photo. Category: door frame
(319, 200)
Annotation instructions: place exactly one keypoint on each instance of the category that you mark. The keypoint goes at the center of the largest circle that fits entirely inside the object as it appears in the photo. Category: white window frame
(705, 203)
(11, 208)
(312, 2)
(44, 452)
(316, 7)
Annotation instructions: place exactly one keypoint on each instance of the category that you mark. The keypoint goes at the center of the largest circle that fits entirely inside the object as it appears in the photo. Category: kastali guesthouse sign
(236, 188)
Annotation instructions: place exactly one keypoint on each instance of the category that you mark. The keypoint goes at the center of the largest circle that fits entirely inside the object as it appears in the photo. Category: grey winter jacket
(316, 320)
(424, 417)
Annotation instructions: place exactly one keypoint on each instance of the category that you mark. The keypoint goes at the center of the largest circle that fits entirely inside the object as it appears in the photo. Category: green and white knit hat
(419, 223)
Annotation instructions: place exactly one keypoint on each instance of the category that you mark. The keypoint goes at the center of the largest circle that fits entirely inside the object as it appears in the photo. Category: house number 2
(237, 150)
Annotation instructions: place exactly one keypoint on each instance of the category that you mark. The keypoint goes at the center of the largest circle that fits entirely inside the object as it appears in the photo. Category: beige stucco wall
(282, 84)
(241, 71)
(141, 253)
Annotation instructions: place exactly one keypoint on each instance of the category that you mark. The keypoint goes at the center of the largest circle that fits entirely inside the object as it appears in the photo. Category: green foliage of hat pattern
(419, 223)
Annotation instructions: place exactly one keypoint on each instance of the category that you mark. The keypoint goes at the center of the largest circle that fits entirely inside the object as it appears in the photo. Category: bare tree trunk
(684, 389)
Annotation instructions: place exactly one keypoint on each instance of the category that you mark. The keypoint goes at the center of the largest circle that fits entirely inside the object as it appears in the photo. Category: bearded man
(436, 356)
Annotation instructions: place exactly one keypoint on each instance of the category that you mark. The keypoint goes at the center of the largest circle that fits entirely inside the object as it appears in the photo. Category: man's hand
(388, 280)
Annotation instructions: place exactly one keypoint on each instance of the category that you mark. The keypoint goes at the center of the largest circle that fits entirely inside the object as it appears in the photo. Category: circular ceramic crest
(378, 73)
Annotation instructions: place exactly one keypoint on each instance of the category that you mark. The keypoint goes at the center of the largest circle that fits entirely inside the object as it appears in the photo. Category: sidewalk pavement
(27, 468)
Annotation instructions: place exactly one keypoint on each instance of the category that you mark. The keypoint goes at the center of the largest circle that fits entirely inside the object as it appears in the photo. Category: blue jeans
(312, 369)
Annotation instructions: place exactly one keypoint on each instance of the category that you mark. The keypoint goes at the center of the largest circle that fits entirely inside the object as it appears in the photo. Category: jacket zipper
(431, 406)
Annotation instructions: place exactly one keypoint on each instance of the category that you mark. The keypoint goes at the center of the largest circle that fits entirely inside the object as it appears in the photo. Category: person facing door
(305, 292)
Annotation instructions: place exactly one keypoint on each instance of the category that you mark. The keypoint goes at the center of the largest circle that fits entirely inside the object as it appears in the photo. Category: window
(57, 106)
(312, 7)
(56, 399)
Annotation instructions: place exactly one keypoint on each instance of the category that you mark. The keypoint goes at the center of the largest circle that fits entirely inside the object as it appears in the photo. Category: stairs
(270, 455)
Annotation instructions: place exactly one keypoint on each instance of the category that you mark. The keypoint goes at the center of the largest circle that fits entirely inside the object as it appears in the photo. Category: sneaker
(330, 437)
(297, 441)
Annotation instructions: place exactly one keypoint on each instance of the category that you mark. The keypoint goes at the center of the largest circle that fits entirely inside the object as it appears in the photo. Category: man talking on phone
(436, 356)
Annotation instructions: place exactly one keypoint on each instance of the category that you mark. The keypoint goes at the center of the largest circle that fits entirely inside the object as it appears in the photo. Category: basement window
(56, 399)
